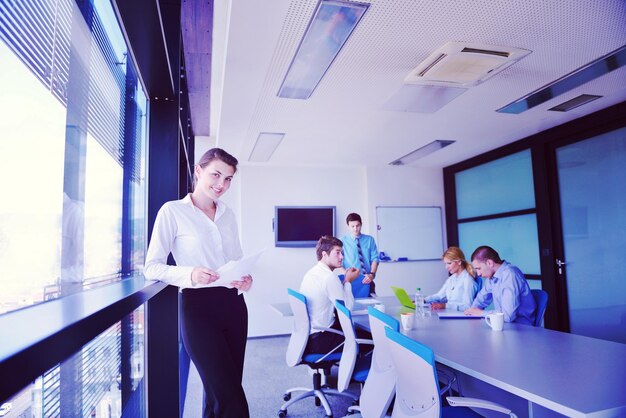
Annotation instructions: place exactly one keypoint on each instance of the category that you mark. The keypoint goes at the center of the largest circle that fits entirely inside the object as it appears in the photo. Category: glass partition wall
(591, 179)
(491, 211)
(552, 205)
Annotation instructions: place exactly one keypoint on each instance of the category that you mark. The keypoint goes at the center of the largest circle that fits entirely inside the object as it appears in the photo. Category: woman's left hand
(244, 284)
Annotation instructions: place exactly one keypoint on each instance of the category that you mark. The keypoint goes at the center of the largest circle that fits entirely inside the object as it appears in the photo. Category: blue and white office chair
(380, 386)
(541, 300)
(354, 365)
(417, 388)
(320, 363)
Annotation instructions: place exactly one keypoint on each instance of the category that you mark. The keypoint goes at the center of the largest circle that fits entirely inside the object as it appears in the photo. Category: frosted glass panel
(514, 238)
(592, 179)
(499, 186)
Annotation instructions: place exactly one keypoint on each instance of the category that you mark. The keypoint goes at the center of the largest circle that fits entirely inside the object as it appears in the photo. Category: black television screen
(302, 226)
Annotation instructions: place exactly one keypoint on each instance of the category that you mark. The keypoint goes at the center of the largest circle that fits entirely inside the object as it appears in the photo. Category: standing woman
(459, 290)
(200, 232)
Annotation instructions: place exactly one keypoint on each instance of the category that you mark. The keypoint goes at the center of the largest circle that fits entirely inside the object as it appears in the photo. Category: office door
(591, 261)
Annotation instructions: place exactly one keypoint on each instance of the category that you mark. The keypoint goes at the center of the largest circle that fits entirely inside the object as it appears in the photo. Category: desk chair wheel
(317, 401)
(282, 413)
(286, 397)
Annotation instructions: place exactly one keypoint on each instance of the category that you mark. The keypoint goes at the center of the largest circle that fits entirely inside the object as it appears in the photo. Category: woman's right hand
(203, 275)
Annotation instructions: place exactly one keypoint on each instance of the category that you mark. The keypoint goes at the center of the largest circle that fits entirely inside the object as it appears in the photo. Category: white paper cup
(495, 321)
(407, 319)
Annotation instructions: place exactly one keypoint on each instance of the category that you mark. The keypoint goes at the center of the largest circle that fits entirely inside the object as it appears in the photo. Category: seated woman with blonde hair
(460, 288)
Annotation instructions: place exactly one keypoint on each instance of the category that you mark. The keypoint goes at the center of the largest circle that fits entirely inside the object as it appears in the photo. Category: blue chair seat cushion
(314, 358)
(361, 369)
(458, 412)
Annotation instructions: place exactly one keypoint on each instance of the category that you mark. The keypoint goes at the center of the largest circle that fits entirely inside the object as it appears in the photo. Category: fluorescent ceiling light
(329, 29)
(422, 152)
(266, 144)
(593, 70)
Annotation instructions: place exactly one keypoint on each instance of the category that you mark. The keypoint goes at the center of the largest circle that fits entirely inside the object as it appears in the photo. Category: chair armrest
(333, 330)
(479, 403)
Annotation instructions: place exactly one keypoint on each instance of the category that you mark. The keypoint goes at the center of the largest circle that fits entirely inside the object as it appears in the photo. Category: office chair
(320, 363)
(417, 388)
(354, 365)
(541, 300)
(380, 385)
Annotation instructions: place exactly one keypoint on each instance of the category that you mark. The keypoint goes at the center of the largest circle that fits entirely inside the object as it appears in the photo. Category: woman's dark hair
(215, 154)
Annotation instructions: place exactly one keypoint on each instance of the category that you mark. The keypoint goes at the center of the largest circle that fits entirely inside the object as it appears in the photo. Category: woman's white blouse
(458, 291)
(193, 239)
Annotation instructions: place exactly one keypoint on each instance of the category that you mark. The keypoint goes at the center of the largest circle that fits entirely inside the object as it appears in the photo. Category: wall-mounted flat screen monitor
(302, 226)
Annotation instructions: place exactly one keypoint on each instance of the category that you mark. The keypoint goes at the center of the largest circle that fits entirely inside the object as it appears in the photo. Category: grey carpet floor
(266, 376)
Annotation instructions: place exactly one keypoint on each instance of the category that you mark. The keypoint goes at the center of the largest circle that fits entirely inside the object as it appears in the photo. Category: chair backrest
(380, 385)
(350, 347)
(417, 391)
(301, 328)
(541, 300)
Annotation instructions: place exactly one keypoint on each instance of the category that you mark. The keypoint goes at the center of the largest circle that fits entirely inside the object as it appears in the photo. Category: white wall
(258, 189)
(406, 186)
(201, 145)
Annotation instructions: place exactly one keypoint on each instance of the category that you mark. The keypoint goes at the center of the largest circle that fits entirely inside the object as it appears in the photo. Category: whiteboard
(413, 232)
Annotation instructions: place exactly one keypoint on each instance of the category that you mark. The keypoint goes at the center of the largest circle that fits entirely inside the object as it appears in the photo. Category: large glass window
(94, 381)
(72, 174)
(32, 122)
(72, 151)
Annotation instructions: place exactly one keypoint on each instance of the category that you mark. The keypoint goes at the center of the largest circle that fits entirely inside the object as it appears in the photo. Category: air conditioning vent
(432, 64)
(486, 52)
(462, 65)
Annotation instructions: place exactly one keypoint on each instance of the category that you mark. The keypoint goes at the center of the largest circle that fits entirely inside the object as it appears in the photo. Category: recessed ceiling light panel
(422, 152)
(576, 78)
(265, 145)
(332, 23)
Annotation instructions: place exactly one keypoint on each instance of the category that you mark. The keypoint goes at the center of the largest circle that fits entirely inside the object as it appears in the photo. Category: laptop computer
(403, 297)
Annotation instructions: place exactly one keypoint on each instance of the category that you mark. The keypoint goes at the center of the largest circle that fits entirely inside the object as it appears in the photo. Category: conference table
(543, 372)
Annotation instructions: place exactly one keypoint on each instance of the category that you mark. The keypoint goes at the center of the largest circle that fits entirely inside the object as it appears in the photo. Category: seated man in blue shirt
(506, 287)
(360, 252)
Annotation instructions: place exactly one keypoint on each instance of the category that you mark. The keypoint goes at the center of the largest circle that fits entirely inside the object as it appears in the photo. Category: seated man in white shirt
(322, 287)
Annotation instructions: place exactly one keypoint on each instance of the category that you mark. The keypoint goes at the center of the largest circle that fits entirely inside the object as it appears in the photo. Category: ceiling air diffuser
(463, 65)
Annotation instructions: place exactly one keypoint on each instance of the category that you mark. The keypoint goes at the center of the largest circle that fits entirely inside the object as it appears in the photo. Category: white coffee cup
(407, 319)
(380, 307)
(495, 321)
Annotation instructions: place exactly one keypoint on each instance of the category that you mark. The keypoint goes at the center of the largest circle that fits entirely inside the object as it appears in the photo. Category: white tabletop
(574, 375)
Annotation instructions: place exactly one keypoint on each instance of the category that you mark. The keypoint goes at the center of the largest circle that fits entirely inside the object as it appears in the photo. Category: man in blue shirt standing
(359, 251)
(506, 287)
